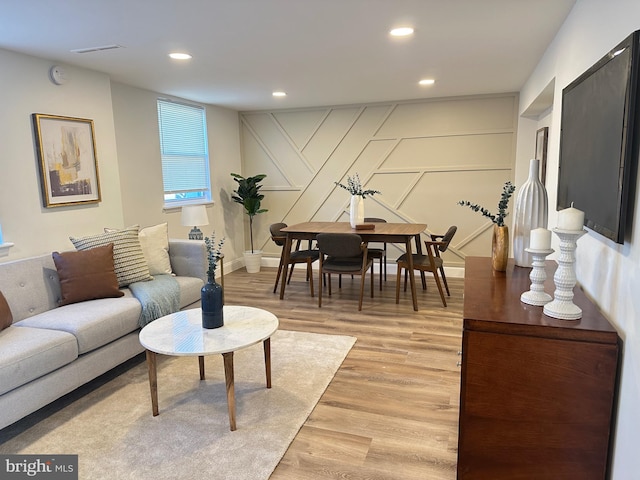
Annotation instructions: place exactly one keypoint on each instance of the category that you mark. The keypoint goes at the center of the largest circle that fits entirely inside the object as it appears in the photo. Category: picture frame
(66, 150)
(542, 138)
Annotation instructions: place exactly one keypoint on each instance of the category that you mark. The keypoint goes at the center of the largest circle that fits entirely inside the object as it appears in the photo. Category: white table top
(182, 334)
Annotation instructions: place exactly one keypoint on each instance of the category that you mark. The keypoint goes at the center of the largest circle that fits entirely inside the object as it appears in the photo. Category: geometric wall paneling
(371, 155)
(329, 134)
(257, 158)
(459, 151)
(321, 199)
(300, 126)
(278, 153)
(392, 185)
(490, 114)
(424, 156)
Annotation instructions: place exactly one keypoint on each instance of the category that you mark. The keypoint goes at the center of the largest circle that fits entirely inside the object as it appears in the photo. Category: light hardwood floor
(391, 411)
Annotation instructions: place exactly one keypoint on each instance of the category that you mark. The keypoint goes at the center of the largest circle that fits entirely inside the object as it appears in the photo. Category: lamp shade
(194, 215)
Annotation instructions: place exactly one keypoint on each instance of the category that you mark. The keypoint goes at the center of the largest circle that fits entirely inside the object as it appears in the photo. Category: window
(185, 154)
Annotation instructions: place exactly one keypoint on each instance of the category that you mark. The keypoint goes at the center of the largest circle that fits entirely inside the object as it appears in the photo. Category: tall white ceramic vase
(531, 212)
(356, 211)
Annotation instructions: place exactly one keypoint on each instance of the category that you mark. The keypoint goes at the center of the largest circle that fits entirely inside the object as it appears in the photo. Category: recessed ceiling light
(401, 31)
(427, 81)
(180, 56)
(279, 94)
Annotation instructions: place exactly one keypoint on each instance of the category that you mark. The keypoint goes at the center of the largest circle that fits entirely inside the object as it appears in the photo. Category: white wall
(135, 116)
(128, 155)
(608, 272)
(25, 89)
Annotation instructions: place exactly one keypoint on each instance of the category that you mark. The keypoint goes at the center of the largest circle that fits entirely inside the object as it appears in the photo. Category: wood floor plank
(391, 411)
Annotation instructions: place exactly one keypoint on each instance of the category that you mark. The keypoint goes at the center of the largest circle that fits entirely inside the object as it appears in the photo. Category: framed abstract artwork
(542, 138)
(66, 150)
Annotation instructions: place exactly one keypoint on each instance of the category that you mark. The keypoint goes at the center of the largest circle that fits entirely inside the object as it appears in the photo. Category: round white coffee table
(181, 334)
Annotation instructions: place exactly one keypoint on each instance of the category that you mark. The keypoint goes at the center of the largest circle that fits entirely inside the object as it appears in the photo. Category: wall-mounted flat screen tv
(599, 140)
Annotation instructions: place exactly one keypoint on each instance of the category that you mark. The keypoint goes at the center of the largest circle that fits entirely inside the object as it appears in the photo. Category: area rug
(114, 434)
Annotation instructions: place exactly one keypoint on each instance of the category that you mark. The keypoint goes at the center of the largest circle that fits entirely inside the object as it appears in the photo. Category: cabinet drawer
(535, 408)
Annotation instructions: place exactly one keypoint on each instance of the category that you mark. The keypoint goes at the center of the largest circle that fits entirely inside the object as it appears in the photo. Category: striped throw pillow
(128, 259)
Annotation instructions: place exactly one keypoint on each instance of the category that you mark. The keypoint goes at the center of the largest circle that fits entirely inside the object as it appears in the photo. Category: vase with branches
(503, 204)
(358, 194)
(500, 236)
(211, 294)
(214, 253)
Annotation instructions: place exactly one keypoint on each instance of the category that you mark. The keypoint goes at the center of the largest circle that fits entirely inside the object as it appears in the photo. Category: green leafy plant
(503, 204)
(248, 195)
(354, 187)
(214, 251)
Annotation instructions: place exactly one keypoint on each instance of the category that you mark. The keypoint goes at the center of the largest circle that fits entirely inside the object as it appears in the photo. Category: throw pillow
(129, 262)
(87, 274)
(155, 246)
(6, 319)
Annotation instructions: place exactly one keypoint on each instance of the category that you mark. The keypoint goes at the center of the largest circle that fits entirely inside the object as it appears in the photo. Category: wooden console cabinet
(537, 394)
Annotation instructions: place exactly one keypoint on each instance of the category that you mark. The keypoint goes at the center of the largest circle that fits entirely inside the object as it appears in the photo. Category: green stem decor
(498, 219)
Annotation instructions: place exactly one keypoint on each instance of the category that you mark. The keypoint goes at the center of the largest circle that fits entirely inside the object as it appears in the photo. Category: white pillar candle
(570, 219)
(540, 239)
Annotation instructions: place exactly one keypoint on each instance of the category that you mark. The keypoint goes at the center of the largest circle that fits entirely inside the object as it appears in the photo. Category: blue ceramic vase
(211, 303)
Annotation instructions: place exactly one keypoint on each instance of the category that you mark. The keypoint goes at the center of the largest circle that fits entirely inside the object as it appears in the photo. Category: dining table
(385, 232)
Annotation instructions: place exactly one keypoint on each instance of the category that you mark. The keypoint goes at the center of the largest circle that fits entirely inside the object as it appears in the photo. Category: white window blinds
(185, 157)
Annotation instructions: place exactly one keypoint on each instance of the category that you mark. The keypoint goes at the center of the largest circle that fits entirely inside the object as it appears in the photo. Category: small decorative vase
(211, 303)
(530, 212)
(500, 248)
(356, 212)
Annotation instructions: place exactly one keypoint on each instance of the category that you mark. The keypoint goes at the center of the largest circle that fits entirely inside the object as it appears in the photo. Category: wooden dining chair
(379, 253)
(431, 262)
(343, 254)
(296, 256)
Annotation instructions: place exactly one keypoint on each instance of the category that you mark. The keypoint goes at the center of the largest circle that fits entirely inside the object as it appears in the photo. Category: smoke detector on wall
(58, 75)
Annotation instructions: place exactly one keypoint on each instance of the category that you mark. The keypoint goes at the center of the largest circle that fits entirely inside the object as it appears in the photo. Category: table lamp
(194, 215)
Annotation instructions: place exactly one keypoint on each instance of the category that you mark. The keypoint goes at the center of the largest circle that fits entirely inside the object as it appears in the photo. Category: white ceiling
(321, 52)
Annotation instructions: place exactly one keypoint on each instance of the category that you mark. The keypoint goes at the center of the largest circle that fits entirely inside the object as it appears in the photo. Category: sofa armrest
(188, 258)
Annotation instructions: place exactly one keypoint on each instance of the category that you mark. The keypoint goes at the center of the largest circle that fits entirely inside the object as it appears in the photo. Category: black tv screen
(598, 141)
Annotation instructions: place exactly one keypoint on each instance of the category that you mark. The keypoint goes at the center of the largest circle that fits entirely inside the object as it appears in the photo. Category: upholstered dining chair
(296, 256)
(431, 262)
(379, 253)
(343, 253)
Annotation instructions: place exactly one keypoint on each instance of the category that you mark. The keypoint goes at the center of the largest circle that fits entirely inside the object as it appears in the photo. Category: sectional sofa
(56, 341)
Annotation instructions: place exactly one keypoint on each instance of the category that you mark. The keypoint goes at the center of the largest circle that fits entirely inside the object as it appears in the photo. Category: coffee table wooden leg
(201, 365)
(267, 360)
(153, 381)
(231, 396)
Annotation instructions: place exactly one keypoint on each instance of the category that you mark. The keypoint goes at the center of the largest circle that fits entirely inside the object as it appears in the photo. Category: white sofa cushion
(94, 322)
(189, 290)
(155, 246)
(29, 353)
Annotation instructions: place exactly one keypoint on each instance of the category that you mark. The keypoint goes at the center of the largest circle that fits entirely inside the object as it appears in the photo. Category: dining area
(339, 249)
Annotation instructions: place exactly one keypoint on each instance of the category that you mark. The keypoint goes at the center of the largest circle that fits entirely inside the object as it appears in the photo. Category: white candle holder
(536, 295)
(562, 306)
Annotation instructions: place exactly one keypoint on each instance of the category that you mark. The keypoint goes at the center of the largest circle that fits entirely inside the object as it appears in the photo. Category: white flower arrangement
(354, 187)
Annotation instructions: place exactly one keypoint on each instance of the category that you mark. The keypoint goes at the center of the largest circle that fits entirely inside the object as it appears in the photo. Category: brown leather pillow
(87, 274)
(6, 319)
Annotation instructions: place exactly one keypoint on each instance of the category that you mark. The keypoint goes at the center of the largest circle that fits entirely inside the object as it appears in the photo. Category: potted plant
(500, 238)
(248, 195)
